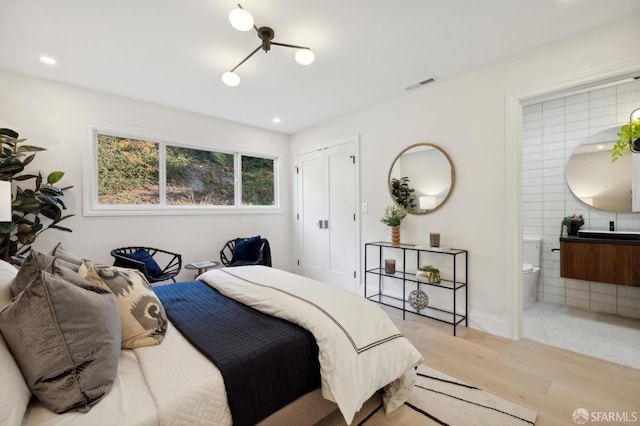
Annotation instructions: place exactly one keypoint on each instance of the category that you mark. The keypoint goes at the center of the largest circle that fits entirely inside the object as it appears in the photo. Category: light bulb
(305, 56)
(5, 201)
(47, 60)
(231, 78)
(241, 20)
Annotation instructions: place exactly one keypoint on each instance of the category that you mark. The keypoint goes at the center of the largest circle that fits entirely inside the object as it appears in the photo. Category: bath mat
(439, 399)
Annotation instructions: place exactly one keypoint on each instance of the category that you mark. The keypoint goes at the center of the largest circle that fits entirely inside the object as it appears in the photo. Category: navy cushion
(247, 249)
(143, 256)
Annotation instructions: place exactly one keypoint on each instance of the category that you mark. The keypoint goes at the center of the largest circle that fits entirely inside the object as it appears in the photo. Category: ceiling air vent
(422, 83)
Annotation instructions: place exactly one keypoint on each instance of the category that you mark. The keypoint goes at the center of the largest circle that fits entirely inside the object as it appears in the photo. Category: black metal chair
(260, 257)
(148, 260)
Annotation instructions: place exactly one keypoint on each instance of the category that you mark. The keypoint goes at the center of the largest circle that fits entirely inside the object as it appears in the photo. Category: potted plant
(628, 140)
(429, 274)
(29, 206)
(393, 217)
(403, 193)
(573, 223)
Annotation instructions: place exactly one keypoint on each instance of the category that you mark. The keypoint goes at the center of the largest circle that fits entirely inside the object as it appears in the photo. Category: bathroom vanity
(602, 256)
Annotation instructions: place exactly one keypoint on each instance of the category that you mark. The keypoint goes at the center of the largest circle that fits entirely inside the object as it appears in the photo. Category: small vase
(395, 235)
(574, 227)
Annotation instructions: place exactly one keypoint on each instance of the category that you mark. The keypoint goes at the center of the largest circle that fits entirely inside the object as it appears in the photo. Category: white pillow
(14, 390)
(7, 273)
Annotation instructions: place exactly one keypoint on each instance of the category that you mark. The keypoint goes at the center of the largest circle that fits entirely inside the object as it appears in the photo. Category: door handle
(326, 224)
(320, 224)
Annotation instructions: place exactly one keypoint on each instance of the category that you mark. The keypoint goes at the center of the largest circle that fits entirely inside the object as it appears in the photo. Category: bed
(360, 351)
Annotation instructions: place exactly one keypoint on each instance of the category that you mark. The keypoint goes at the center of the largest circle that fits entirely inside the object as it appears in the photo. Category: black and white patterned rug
(439, 399)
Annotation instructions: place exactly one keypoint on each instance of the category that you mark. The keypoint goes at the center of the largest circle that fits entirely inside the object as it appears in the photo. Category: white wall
(54, 116)
(466, 116)
(552, 130)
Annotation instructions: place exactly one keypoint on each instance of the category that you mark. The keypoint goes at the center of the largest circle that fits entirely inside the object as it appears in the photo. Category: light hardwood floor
(552, 381)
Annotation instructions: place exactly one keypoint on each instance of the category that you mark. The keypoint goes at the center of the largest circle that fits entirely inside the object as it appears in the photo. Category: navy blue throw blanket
(266, 362)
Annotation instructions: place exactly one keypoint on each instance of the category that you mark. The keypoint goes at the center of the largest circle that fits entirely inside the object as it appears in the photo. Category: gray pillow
(31, 268)
(69, 259)
(60, 269)
(36, 262)
(66, 341)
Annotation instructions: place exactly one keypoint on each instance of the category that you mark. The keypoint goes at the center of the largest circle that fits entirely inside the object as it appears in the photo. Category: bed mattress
(360, 352)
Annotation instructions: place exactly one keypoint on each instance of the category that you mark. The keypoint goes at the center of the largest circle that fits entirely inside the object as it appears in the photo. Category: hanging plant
(30, 206)
(629, 134)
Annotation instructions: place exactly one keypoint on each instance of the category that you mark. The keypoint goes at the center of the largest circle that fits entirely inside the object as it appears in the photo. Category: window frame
(92, 206)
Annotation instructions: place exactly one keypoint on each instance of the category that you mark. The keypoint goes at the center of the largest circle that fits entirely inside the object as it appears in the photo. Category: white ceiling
(173, 52)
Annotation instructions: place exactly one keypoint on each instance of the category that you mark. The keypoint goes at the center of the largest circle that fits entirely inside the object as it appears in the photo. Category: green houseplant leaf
(628, 134)
(54, 177)
(30, 204)
(403, 193)
(393, 215)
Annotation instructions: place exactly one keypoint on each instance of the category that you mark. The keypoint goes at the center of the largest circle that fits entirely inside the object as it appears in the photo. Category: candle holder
(389, 266)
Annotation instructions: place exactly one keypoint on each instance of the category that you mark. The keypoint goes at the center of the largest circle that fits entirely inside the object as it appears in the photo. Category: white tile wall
(551, 132)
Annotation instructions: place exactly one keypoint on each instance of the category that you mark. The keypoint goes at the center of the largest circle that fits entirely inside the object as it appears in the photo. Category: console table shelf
(454, 285)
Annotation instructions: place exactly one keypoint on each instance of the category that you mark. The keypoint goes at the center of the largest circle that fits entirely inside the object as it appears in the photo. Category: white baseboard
(477, 320)
(488, 323)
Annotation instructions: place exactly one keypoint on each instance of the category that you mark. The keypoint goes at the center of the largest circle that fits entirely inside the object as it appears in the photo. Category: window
(137, 176)
(128, 171)
(199, 177)
(257, 181)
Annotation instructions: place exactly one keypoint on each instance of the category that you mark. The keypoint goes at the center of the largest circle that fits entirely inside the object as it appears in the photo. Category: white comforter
(361, 350)
(169, 384)
(173, 384)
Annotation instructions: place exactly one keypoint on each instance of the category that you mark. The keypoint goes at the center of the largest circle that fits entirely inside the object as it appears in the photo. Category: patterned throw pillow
(142, 316)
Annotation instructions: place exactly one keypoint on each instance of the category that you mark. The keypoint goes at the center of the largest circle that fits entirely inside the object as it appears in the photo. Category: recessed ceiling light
(47, 60)
(600, 146)
(276, 120)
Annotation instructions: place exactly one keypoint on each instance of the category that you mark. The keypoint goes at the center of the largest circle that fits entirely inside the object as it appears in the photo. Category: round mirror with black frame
(421, 178)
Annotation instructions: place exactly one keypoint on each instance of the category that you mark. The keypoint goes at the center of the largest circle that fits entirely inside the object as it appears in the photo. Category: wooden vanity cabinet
(613, 262)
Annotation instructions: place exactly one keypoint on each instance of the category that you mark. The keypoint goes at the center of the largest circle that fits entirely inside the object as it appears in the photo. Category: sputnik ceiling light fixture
(243, 21)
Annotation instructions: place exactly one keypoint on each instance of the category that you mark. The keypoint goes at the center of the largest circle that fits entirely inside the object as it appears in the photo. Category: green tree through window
(257, 181)
(127, 171)
(129, 174)
(199, 177)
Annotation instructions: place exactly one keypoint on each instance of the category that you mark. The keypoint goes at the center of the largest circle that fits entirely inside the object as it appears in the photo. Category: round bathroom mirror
(421, 178)
(597, 181)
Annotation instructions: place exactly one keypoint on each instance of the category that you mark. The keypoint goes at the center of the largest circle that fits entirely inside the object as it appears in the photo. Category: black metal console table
(455, 284)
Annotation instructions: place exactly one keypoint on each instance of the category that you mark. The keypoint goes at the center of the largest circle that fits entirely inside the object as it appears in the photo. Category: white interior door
(341, 252)
(312, 240)
(327, 220)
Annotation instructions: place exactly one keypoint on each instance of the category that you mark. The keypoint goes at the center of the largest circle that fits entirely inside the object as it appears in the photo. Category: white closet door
(312, 240)
(327, 206)
(341, 252)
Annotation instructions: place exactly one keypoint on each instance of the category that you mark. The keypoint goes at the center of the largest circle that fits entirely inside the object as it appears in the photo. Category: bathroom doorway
(601, 320)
